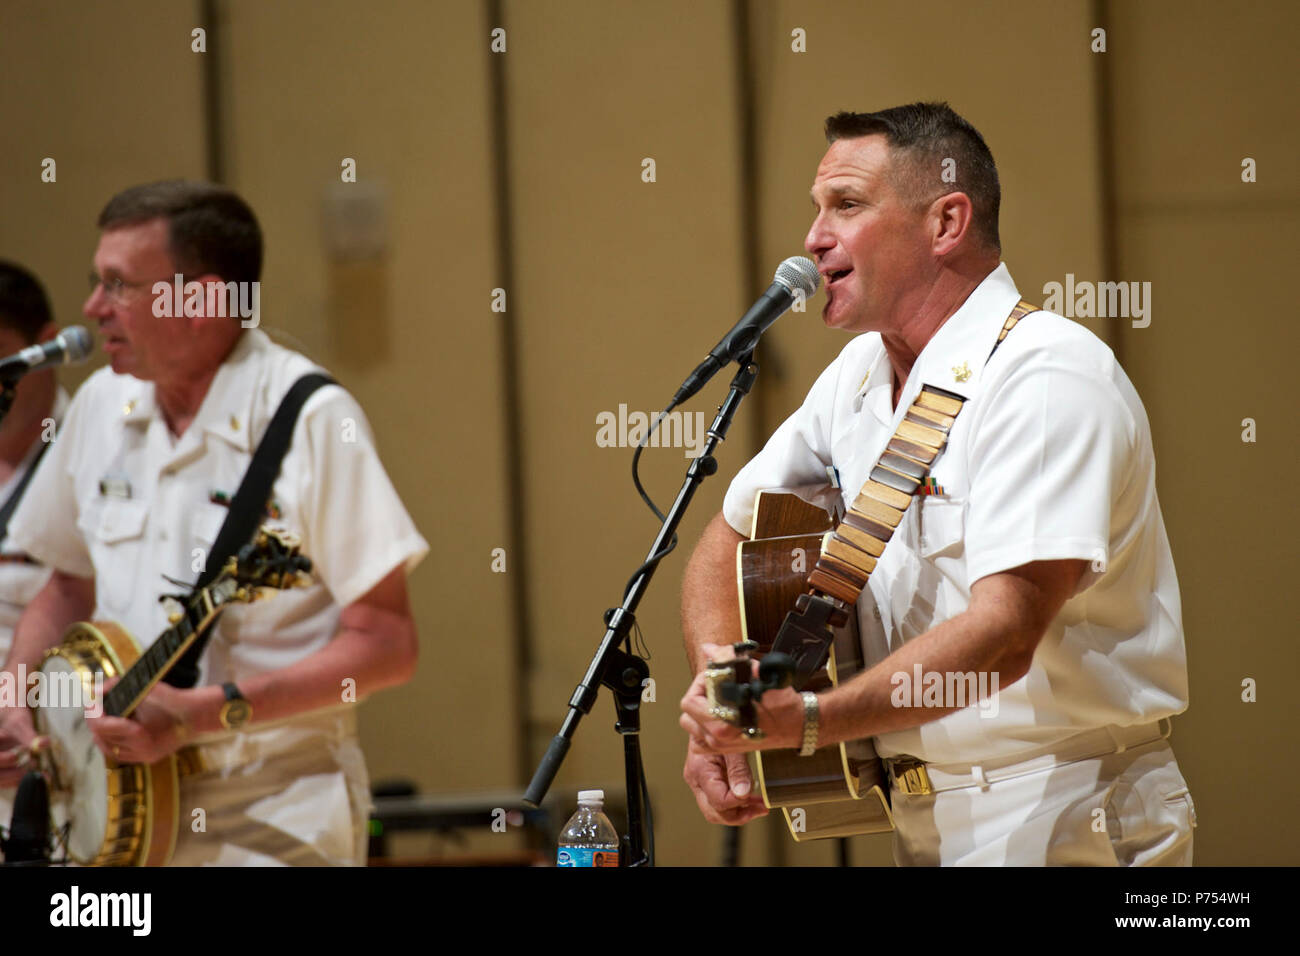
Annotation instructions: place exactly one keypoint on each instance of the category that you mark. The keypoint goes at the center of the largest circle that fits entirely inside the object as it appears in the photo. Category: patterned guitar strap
(849, 553)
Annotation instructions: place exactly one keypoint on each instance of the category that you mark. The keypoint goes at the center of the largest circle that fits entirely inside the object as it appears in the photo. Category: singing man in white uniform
(1036, 558)
(135, 490)
(39, 404)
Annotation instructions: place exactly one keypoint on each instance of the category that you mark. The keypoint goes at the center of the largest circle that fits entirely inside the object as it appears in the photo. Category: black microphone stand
(622, 671)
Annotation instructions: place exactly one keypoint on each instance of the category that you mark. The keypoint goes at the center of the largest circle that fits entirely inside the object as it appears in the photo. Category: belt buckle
(911, 777)
(189, 762)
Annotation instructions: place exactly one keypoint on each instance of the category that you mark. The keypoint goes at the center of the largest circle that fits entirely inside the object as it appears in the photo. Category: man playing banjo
(132, 495)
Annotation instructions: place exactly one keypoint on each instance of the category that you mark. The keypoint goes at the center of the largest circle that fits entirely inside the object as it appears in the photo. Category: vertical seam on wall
(1107, 163)
(750, 224)
(210, 69)
(750, 220)
(515, 510)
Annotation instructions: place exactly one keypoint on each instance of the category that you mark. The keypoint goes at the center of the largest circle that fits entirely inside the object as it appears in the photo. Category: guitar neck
(200, 614)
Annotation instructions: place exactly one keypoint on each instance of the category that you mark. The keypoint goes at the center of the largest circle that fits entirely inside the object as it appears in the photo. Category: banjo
(127, 814)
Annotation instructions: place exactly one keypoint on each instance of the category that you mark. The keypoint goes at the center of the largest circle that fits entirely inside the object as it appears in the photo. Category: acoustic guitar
(121, 814)
(841, 790)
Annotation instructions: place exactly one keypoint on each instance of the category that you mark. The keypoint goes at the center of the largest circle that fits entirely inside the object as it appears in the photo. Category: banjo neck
(199, 614)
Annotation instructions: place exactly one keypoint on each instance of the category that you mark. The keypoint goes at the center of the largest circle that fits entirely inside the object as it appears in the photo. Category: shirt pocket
(205, 523)
(120, 521)
(115, 536)
(943, 527)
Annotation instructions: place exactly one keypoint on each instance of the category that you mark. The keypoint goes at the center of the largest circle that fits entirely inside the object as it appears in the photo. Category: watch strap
(811, 724)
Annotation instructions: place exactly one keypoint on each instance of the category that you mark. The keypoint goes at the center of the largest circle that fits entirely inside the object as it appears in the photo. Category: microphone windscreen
(77, 342)
(798, 272)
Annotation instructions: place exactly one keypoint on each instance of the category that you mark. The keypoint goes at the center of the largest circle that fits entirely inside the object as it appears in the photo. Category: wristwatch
(236, 711)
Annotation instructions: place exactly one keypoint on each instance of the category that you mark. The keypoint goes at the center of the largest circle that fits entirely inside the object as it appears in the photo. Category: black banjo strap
(248, 507)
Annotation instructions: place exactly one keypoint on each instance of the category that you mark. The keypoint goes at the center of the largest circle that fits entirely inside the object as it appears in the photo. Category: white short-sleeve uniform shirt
(1050, 458)
(20, 579)
(121, 499)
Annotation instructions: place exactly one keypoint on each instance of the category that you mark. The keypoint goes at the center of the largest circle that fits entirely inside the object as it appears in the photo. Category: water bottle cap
(591, 796)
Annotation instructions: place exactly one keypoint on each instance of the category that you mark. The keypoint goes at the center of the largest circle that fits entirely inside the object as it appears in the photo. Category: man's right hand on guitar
(723, 787)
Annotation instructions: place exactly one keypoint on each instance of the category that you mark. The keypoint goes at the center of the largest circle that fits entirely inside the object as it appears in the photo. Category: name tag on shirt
(115, 486)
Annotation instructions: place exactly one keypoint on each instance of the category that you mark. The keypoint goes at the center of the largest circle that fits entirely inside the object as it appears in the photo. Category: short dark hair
(922, 136)
(210, 229)
(24, 306)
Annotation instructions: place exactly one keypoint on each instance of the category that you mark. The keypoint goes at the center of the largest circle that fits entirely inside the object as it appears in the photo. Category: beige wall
(620, 285)
(619, 282)
(109, 105)
(1220, 256)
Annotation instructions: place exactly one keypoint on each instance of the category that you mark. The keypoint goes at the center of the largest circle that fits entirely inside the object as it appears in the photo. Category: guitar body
(117, 814)
(841, 789)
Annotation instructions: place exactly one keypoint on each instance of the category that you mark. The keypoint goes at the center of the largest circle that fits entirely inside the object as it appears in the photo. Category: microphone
(794, 274)
(29, 829)
(70, 346)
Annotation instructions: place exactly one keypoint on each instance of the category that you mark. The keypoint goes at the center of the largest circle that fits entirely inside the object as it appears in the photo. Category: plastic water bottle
(589, 839)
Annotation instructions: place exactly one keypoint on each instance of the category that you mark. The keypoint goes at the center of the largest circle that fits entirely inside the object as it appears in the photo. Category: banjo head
(103, 804)
(77, 765)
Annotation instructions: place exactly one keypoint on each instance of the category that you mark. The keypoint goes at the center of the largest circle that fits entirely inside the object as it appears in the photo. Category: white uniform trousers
(1129, 807)
(292, 793)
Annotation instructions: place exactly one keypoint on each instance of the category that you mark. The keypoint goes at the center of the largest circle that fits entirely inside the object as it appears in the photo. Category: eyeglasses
(118, 289)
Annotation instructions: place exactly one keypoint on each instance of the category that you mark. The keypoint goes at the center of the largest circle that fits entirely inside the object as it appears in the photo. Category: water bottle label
(586, 856)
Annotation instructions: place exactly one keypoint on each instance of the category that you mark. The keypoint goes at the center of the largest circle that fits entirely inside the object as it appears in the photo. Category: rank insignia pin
(961, 372)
